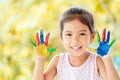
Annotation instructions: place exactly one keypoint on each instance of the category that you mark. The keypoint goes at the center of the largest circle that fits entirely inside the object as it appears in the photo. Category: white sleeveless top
(87, 71)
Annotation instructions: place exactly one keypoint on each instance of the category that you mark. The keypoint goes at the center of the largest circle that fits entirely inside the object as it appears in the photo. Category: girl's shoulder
(56, 58)
(97, 57)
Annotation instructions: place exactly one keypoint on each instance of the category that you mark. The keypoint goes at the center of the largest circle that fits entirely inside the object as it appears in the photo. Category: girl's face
(76, 37)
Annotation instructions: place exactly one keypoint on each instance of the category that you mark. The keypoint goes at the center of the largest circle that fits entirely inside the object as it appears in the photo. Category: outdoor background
(21, 19)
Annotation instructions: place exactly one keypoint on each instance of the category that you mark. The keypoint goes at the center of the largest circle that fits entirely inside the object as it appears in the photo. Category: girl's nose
(75, 39)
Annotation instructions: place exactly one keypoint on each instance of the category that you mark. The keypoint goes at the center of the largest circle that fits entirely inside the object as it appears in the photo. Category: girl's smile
(77, 48)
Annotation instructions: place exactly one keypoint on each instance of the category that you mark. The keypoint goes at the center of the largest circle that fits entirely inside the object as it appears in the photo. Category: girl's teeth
(76, 47)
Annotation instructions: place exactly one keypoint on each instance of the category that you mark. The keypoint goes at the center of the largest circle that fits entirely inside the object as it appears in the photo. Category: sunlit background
(20, 19)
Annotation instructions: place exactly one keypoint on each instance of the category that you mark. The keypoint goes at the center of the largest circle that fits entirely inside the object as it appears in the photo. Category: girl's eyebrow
(78, 31)
(68, 31)
(83, 31)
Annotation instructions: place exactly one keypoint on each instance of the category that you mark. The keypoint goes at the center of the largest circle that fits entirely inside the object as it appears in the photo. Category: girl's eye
(68, 34)
(82, 34)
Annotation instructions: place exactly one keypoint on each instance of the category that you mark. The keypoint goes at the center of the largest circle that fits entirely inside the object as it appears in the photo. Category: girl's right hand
(41, 46)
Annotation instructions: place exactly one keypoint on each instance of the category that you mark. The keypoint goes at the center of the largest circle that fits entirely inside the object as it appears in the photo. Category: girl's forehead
(75, 25)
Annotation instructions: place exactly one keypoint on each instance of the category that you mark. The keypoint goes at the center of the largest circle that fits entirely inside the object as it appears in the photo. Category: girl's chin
(76, 53)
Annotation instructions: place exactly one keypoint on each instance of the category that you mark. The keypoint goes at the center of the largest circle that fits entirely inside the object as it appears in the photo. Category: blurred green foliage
(20, 19)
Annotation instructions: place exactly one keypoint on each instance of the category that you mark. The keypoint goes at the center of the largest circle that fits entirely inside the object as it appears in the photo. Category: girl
(77, 32)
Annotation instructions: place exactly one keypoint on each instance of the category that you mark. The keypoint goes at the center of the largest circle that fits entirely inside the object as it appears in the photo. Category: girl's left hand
(104, 44)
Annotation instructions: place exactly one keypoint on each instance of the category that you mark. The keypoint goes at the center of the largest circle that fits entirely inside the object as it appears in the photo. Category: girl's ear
(61, 36)
(93, 36)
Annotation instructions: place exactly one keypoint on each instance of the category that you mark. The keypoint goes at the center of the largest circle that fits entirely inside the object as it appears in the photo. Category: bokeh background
(21, 19)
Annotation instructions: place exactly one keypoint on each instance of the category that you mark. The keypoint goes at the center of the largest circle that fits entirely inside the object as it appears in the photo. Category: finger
(92, 50)
(41, 37)
(33, 43)
(108, 37)
(104, 35)
(37, 39)
(98, 37)
(112, 42)
(50, 50)
(47, 38)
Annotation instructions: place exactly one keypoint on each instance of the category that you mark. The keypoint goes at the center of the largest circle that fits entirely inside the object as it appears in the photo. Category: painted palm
(41, 45)
(104, 44)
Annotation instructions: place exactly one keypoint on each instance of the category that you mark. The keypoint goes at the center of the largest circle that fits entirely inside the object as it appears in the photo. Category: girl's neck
(76, 61)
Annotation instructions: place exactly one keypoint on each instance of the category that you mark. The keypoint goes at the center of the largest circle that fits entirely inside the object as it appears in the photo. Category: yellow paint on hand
(92, 50)
(41, 50)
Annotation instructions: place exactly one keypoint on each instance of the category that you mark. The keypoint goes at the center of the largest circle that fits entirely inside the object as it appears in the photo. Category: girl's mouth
(76, 48)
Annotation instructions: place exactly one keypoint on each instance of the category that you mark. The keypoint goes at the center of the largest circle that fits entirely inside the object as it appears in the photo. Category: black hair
(81, 14)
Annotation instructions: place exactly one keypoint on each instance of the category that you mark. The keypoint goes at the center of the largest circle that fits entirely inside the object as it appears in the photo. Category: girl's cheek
(66, 42)
(88, 42)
